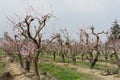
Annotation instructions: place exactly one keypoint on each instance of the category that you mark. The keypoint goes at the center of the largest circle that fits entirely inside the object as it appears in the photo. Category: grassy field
(63, 73)
(2, 65)
(104, 67)
(1, 52)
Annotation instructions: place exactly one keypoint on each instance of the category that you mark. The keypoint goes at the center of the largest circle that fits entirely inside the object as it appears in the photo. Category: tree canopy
(115, 30)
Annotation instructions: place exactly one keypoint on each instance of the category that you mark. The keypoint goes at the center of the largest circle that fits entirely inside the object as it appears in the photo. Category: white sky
(71, 14)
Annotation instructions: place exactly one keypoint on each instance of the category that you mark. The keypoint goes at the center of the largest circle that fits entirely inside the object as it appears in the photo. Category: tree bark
(54, 56)
(27, 64)
(93, 62)
(63, 58)
(36, 70)
(74, 60)
(21, 61)
(82, 56)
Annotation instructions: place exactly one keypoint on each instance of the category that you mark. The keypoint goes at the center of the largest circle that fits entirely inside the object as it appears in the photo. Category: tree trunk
(12, 59)
(36, 71)
(54, 56)
(20, 60)
(82, 56)
(63, 58)
(74, 60)
(27, 64)
(93, 62)
(105, 55)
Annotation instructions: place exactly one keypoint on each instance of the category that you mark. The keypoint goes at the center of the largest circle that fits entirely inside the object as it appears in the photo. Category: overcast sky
(71, 14)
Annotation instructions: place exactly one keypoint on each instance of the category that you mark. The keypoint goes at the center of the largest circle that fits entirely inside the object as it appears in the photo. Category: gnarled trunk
(27, 64)
(94, 60)
(36, 70)
(20, 60)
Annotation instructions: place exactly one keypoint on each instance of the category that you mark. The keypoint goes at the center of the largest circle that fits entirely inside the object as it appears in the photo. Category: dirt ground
(19, 73)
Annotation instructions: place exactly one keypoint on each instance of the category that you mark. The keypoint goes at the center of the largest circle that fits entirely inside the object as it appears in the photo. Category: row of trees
(27, 43)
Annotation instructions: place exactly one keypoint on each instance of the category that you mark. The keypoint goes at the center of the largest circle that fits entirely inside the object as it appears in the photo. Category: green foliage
(115, 30)
(63, 73)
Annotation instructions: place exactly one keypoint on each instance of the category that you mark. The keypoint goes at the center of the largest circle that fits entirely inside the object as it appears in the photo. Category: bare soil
(19, 73)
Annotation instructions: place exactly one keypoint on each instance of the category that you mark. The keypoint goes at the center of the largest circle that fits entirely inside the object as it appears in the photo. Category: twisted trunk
(20, 60)
(93, 61)
(36, 70)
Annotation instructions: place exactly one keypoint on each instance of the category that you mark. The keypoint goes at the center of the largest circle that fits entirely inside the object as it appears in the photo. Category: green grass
(63, 73)
(85, 64)
(2, 65)
(58, 58)
(1, 52)
(101, 67)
